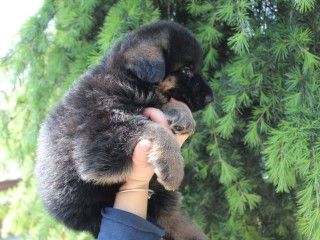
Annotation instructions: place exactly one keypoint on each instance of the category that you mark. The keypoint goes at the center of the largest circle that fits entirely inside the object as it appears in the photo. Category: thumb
(140, 153)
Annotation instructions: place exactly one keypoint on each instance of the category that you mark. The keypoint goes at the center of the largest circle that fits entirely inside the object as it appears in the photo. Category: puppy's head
(166, 55)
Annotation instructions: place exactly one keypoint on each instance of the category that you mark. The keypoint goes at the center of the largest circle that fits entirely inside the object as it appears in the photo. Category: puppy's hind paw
(169, 177)
(168, 168)
(165, 156)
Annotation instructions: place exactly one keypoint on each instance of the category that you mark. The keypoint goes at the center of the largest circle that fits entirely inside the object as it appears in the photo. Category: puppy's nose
(208, 99)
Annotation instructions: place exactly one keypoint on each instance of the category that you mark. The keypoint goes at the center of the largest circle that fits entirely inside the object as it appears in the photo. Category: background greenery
(253, 167)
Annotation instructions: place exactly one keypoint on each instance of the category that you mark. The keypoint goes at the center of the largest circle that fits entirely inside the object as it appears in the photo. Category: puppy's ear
(147, 63)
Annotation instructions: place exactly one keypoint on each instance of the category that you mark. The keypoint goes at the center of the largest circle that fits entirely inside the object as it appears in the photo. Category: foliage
(252, 167)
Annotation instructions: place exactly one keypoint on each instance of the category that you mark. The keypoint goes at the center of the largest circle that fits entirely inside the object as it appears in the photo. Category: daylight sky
(13, 13)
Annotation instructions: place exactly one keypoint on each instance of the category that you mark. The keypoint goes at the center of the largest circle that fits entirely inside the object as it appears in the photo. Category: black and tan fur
(86, 144)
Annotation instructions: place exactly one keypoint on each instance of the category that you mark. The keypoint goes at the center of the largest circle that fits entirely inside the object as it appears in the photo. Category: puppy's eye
(187, 71)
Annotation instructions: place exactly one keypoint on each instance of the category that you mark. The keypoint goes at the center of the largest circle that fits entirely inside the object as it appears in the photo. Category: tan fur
(104, 180)
(167, 84)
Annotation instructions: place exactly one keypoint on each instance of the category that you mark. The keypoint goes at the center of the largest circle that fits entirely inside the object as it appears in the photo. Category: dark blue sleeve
(120, 225)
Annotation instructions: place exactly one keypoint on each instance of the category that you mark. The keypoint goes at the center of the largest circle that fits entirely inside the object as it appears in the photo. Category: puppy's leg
(180, 227)
(180, 118)
(164, 156)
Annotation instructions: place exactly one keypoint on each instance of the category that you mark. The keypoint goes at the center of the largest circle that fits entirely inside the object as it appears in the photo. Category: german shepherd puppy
(85, 145)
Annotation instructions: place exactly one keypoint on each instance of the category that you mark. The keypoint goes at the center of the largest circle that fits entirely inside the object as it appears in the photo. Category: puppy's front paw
(165, 157)
(180, 118)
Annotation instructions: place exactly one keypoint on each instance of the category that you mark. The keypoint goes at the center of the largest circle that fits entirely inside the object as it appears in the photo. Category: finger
(157, 116)
(140, 153)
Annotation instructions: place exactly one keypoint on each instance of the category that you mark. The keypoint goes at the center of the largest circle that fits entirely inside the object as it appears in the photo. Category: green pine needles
(253, 165)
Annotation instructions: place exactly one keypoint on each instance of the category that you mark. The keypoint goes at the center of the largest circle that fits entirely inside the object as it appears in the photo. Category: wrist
(133, 198)
(135, 185)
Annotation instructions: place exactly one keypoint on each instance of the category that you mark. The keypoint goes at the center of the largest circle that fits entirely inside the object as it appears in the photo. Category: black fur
(86, 144)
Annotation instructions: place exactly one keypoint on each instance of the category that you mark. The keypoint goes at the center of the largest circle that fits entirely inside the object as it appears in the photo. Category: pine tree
(253, 165)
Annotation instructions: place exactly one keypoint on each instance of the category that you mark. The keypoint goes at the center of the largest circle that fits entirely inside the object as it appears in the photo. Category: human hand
(142, 171)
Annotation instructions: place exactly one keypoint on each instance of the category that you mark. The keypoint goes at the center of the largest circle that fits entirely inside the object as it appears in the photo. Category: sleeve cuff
(115, 220)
